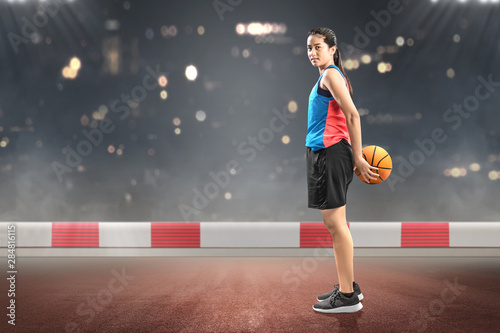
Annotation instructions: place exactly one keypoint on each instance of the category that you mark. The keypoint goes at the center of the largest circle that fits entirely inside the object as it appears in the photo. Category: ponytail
(337, 60)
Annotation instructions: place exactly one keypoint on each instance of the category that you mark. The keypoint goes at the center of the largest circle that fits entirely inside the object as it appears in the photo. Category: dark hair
(331, 40)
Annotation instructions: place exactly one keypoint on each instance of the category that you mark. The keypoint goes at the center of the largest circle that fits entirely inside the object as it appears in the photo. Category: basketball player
(333, 150)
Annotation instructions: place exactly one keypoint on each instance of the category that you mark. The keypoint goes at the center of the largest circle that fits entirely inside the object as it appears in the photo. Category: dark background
(159, 171)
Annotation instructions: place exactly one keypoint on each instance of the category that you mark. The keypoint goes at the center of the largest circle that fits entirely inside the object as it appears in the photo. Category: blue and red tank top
(326, 123)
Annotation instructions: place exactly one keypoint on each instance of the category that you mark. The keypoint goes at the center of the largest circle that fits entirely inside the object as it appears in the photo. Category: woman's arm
(335, 83)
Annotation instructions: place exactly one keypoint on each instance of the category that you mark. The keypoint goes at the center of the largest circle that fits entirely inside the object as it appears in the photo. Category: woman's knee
(334, 219)
(336, 229)
(332, 228)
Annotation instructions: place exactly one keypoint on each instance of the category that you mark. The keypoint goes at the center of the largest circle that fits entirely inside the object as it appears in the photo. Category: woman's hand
(367, 171)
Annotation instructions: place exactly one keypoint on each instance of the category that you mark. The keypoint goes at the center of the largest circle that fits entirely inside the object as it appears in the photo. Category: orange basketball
(378, 157)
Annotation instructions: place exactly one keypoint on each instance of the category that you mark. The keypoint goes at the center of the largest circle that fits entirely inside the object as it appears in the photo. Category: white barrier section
(3, 233)
(376, 234)
(123, 234)
(475, 234)
(28, 234)
(249, 234)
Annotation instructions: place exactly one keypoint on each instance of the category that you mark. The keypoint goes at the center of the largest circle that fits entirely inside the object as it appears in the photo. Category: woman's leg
(335, 221)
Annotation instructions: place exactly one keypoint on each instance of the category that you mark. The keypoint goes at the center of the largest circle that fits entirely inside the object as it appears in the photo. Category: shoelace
(335, 295)
(335, 286)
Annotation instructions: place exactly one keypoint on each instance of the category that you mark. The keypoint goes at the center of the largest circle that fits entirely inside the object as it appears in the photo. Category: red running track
(251, 294)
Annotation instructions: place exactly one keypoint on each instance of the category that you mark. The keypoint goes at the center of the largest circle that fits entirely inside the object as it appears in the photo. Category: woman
(333, 144)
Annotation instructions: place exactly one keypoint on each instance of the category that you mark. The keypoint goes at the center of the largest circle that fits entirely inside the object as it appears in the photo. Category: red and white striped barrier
(249, 234)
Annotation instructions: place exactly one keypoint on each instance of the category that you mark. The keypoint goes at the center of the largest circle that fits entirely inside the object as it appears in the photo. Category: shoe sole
(360, 297)
(343, 309)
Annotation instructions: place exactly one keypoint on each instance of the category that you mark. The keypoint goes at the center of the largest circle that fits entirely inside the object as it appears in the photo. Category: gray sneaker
(338, 303)
(355, 287)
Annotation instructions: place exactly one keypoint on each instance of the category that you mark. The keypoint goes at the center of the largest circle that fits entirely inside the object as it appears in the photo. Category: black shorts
(329, 173)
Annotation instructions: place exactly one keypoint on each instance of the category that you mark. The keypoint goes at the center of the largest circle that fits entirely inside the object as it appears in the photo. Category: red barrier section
(75, 234)
(425, 234)
(175, 234)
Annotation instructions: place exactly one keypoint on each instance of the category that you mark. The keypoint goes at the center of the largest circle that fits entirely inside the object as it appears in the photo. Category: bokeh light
(75, 63)
(240, 29)
(381, 67)
(84, 120)
(455, 172)
(475, 167)
(201, 115)
(162, 80)
(191, 73)
(261, 29)
(71, 71)
(366, 58)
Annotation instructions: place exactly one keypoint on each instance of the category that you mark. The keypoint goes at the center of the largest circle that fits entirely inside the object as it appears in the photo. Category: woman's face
(318, 51)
